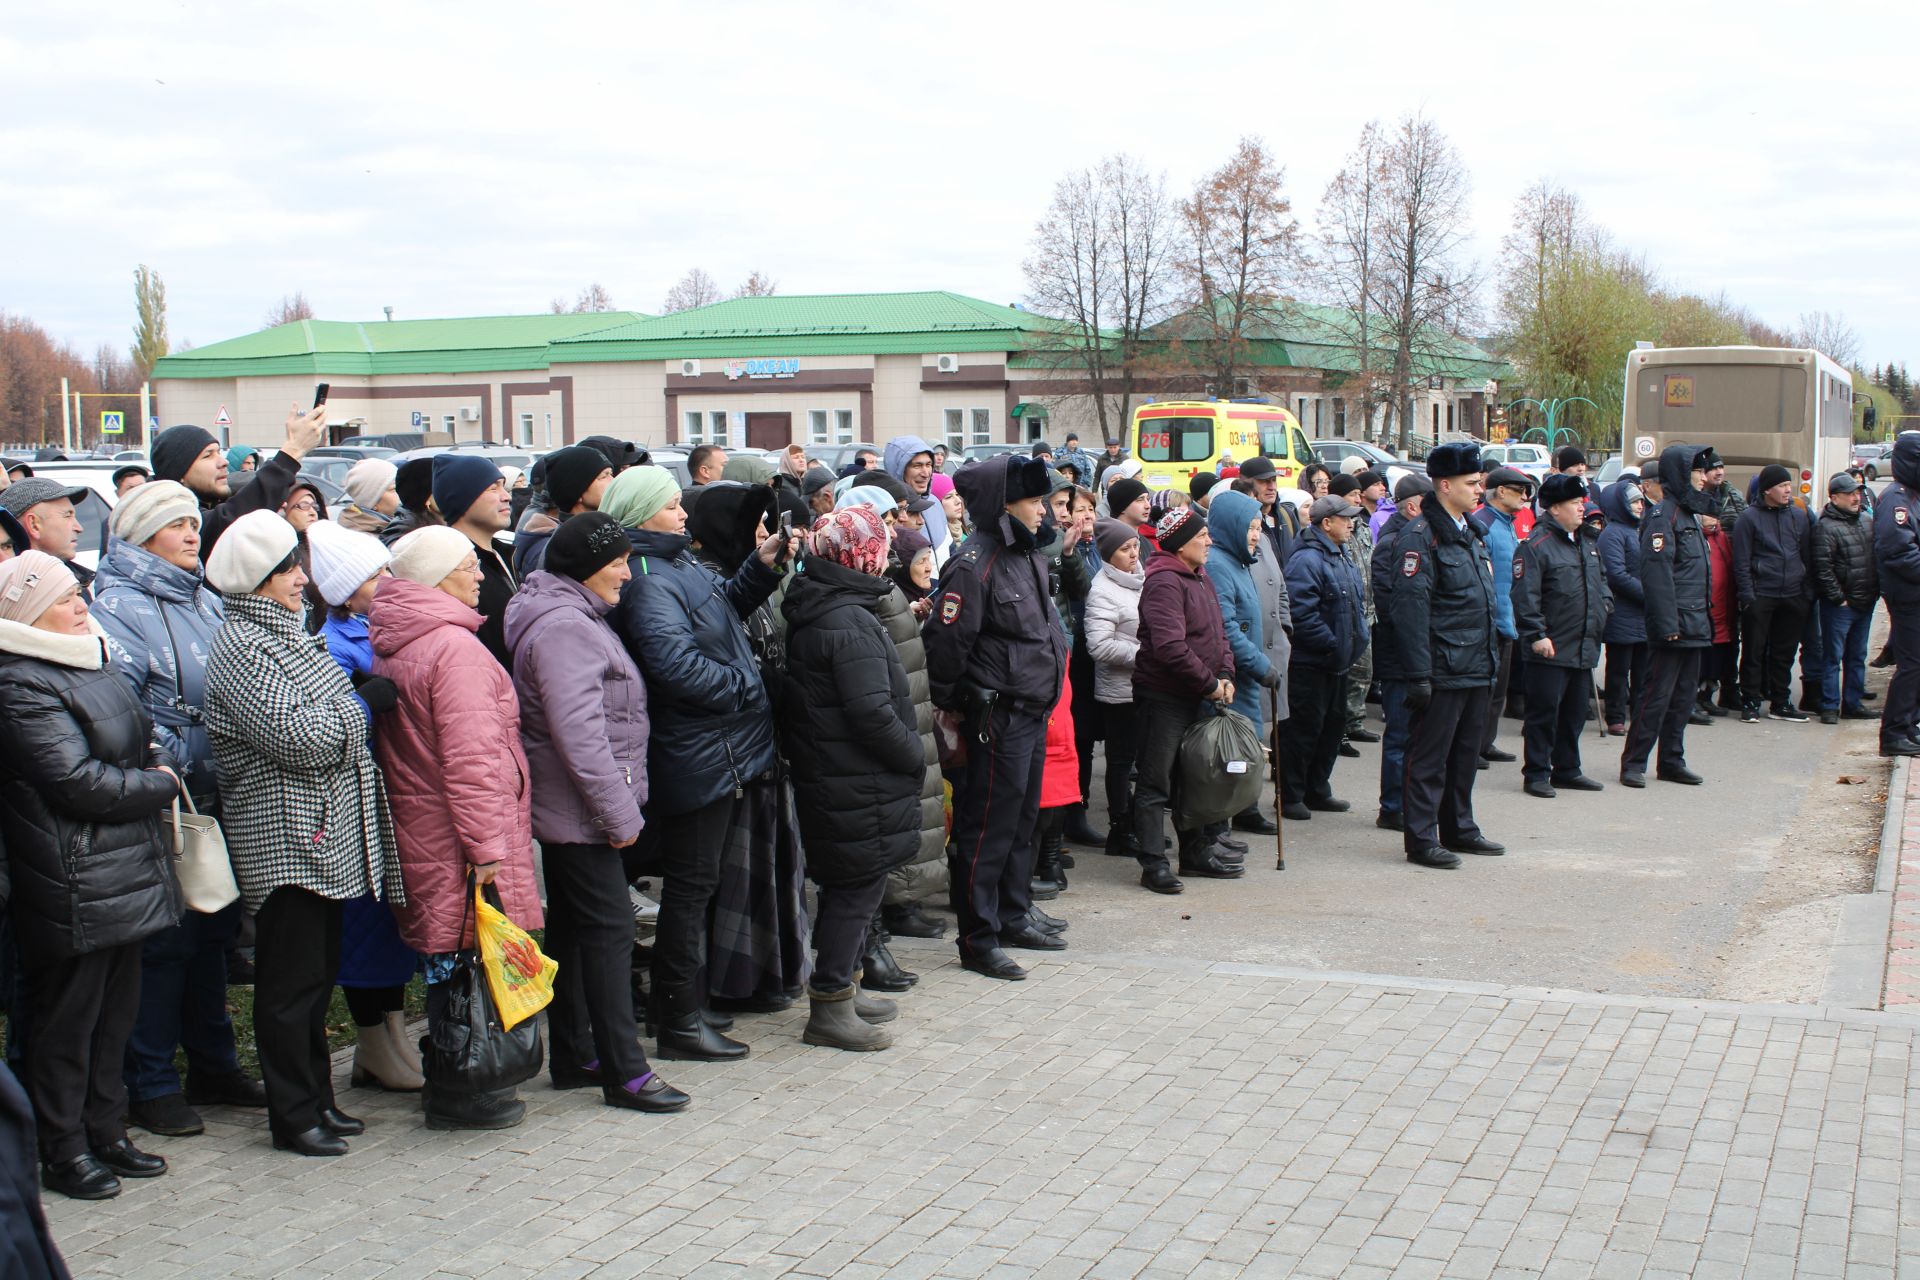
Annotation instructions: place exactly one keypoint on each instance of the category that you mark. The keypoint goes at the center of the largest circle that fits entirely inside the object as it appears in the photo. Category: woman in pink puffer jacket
(457, 777)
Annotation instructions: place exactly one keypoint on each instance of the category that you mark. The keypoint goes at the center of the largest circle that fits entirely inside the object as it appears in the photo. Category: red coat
(1722, 594)
(457, 776)
(1060, 781)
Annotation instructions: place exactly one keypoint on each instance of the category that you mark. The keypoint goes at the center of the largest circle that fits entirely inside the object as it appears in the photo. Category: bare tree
(1426, 286)
(1828, 333)
(150, 319)
(1345, 265)
(757, 285)
(1241, 250)
(695, 289)
(291, 307)
(1100, 266)
(592, 298)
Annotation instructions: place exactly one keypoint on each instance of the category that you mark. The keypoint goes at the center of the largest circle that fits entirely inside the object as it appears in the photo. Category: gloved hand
(1274, 678)
(379, 693)
(1419, 694)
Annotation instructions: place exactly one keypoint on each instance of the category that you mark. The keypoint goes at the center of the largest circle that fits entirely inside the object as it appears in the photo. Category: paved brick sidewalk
(1108, 1119)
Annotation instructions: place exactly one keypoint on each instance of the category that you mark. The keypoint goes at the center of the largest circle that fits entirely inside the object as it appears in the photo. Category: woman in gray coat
(583, 720)
(162, 619)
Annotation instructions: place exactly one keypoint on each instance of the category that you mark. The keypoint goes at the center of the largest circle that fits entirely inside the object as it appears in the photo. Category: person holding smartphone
(192, 456)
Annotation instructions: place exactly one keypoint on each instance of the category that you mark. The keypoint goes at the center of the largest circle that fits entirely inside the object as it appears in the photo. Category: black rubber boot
(686, 1035)
(1079, 830)
(879, 970)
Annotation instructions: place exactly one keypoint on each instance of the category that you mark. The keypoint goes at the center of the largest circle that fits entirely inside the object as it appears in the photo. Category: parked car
(1530, 458)
(836, 456)
(499, 455)
(1873, 457)
(975, 452)
(1334, 454)
(1612, 470)
(398, 441)
(353, 451)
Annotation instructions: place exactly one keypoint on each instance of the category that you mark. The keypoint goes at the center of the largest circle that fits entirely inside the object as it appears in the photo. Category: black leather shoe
(317, 1141)
(336, 1121)
(1296, 813)
(1226, 840)
(1482, 763)
(1697, 716)
(1899, 747)
(1080, 831)
(1363, 735)
(721, 1021)
(1255, 822)
(995, 964)
(1348, 750)
(81, 1178)
(879, 971)
(1858, 713)
(1207, 867)
(586, 1077)
(1830, 716)
(911, 921)
(232, 1089)
(1045, 923)
(1685, 777)
(1632, 778)
(168, 1115)
(130, 1161)
(1227, 853)
(1390, 822)
(1160, 879)
(448, 1111)
(656, 1096)
(1579, 782)
(1329, 806)
(1498, 756)
(1476, 844)
(1043, 890)
(1540, 789)
(1027, 939)
(1438, 859)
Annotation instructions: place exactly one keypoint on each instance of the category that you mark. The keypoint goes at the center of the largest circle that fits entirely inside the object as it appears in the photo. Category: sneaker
(1750, 714)
(1786, 711)
(645, 909)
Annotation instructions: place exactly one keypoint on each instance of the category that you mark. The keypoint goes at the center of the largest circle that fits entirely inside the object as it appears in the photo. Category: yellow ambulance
(1176, 439)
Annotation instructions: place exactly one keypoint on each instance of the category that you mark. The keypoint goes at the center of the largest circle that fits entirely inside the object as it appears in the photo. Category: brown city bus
(1754, 405)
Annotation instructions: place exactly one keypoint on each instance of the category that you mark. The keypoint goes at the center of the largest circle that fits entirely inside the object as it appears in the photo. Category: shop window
(696, 427)
(956, 430)
(717, 428)
(816, 426)
(843, 426)
(983, 426)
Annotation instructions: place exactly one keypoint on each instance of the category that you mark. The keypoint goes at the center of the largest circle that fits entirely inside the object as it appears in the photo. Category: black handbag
(469, 1051)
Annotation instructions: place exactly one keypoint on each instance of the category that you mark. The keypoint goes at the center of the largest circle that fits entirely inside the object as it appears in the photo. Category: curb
(1857, 977)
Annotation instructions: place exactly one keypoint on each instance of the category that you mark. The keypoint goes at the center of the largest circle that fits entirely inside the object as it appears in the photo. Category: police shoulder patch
(1519, 567)
(1899, 515)
(949, 608)
(1410, 563)
(1659, 542)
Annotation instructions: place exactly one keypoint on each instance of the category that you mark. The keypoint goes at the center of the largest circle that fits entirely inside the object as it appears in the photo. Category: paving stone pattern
(1903, 946)
(1112, 1119)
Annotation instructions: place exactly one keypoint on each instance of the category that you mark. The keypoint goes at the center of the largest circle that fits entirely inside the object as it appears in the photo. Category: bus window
(1176, 439)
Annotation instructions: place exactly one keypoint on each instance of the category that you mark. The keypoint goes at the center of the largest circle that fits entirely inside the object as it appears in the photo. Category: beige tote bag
(200, 859)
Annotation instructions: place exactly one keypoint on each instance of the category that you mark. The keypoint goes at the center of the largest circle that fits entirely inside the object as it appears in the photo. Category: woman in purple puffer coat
(583, 720)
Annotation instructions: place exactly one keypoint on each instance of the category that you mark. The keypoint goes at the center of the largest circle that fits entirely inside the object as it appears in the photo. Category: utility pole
(66, 418)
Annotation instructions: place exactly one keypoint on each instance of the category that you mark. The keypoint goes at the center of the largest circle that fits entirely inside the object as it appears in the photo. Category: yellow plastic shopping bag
(519, 974)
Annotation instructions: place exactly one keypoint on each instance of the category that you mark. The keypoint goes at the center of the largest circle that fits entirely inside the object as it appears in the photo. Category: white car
(1333, 453)
(1530, 458)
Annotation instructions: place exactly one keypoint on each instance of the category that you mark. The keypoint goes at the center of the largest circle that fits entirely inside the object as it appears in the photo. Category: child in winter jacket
(1059, 792)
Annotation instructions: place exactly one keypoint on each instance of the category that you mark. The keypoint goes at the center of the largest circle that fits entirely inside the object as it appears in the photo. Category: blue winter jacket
(1329, 609)
(348, 645)
(161, 620)
(1230, 567)
(712, 724)
(1620, 561)
(893, 460)
(1502, 546)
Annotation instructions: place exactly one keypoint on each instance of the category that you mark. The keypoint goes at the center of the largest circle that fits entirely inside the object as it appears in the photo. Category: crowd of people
(889, 683)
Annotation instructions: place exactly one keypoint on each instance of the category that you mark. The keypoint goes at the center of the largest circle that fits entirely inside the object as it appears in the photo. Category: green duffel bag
(1220, 768)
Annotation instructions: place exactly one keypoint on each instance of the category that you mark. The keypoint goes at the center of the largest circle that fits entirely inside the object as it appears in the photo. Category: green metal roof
(469, 345)
(814, 324)
(1307, 335)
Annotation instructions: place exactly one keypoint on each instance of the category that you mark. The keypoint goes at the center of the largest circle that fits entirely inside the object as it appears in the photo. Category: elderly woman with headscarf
(82, 786)
(163, 620)
(457, 777)
(303, 809)
(858, 762)
(711, 732)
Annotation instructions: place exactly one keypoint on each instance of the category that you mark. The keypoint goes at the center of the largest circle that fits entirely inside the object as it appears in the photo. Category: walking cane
(1273, 749)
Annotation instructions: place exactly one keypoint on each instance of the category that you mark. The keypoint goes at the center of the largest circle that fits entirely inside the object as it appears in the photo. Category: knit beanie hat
(853, 537)
(250, 551)
(368, 481)
(1201, 484)
(151, 507)
(1178, 528)
(428, 555)
(1410, 484)
(343, 560)
(414, 482)
(585, 544)
(1112, 535)
(865, 495)
(1123, 493)
(30, 584)
(638, 494)
(571, 472)
(458, 481)
(1772, 474)
(174, 450)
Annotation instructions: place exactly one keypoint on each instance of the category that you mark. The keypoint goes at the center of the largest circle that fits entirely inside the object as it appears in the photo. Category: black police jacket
(1674, 573)
(1896, 528)
(993, 622)
(1382, 573)
(1843, 568)
(1442, 604)
(1560, 594)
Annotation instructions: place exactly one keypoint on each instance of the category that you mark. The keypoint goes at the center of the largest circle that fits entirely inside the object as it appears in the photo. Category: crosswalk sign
(112, 422)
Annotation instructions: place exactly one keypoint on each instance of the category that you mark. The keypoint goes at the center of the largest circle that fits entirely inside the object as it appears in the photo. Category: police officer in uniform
(1412, 490)
(1674, 580)
(1896, 550)
(995, 659)
(1442, 606)
(1560, 608)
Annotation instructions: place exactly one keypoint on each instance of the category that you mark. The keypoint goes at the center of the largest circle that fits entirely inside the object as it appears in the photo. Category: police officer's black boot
(879, 970)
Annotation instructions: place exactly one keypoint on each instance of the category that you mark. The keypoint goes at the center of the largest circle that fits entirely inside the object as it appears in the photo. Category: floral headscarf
(853, 537)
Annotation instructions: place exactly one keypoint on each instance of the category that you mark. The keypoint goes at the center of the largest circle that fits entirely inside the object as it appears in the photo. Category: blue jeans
(1844, 629)
(1393, 744)
(183, 1003)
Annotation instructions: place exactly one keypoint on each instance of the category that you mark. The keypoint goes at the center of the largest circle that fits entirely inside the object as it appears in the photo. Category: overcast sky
(483, 158)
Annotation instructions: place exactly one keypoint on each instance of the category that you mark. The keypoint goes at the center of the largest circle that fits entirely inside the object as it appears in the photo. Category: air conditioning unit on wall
(947, 364)
(469, 414)
(689, 368)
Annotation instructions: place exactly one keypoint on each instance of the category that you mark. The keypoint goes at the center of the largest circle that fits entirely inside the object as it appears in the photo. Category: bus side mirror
(1871, 419)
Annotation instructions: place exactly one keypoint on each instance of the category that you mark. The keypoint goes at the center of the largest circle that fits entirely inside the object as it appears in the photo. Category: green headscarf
(638, 494)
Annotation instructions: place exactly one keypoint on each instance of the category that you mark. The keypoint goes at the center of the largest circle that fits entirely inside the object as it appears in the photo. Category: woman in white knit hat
(305, 814)
(458, 778)
(375, 965)
(151, 601)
